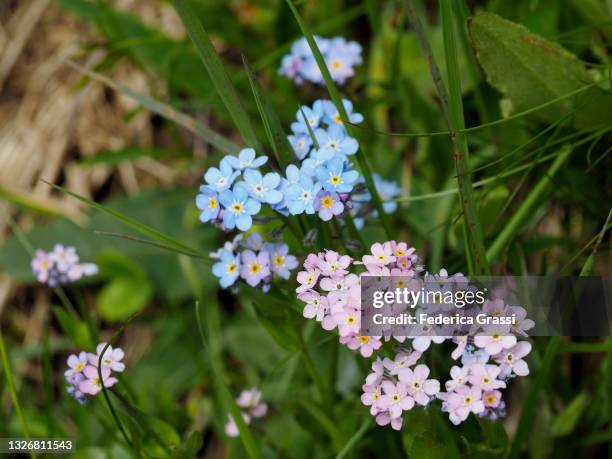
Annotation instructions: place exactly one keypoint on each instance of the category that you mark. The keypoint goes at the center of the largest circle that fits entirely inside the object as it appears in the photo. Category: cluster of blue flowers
(256, 263)
(340, 57)
(232, 205)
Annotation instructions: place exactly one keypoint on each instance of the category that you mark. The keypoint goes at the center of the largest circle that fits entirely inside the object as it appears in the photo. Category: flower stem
(6, 364)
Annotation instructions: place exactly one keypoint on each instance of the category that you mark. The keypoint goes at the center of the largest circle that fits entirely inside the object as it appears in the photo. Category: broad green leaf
(566, 421)
(530, 70)
(74, 328)
(122, 297)
(219, 76)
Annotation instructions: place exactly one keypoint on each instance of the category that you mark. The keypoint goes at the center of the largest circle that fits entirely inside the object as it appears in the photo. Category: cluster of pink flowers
(82, 376)
(490, 355)
(60, 266)
(333, 294)
(252, 405)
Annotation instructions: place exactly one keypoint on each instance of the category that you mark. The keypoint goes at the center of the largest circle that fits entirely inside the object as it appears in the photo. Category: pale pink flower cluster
(394, 387)
(252, 406)
(83, 377)
(490, 355)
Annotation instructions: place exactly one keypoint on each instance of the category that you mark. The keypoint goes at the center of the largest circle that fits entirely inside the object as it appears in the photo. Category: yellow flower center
(350, 320)
(399, 253)
(327, 201)
(337, 64)
(335, 179)
(237, 207)
(416, 385)
(396, 397)
(255, 268)
(486, 380)
(231, 268)
(490, 399)
(467, 400)
(337, 118)
(364, 339)
(279, 261)
(79, 366)
(212, 203)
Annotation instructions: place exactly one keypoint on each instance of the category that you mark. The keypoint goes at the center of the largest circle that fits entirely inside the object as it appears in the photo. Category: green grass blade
(203, 132)
(218, 75)
(134, 224)
(246, 436)
(276, 136)
(530, 403)
(525, 210)
(337, 100)
(452, 109)
(354, 439)
(6, 365)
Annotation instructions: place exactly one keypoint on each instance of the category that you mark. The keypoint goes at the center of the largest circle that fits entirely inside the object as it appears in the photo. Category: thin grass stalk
(452, 109)
(6, 364)
(525, 210)
(109, 404)
(337, 100)
(212, 349)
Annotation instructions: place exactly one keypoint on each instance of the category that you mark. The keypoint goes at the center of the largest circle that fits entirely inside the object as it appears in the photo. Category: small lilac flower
(41, 265)
(251, 400)
(77, 364)
(395, 399)
(227, 269)
(64, 257)
(208, 202)
(262, 188)
(462, 402)
(511, 360)
(419, 387)
(246, 160)
(370, 397)
(328, 204)
(316, 305)
(221, 179)
(492, 398)
(401, 361)
(239, 208)
(366, 344)
(92, 384)
(231, 428)
(301, 196)
(255, 267)
(485, 377)
(111, 357)
(495, 343)
(459, 377)
(281, 262)
(333, 176)
(336, 139)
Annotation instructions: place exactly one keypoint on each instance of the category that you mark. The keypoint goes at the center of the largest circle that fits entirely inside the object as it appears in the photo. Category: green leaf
(122, 297)
(166, 434)
(530, 70)
(218, 75)
(74, 328)
(566, 421)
